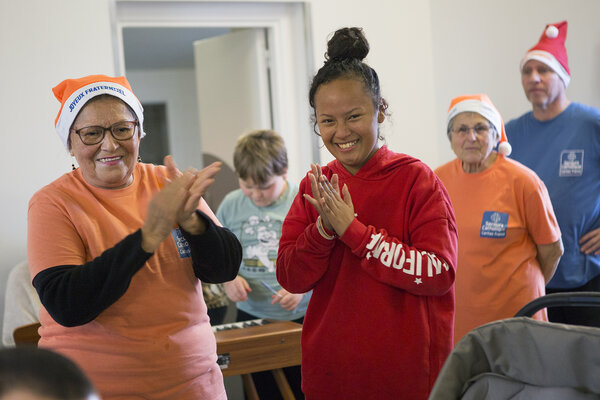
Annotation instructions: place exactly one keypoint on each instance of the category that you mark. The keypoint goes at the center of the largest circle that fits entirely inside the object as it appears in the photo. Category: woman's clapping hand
(176, 203)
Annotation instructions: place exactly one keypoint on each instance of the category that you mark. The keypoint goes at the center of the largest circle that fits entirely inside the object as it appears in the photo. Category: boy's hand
(237, 289)
(287, 300)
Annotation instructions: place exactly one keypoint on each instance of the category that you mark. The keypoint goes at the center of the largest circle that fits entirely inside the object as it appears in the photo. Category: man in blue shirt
(560, 141)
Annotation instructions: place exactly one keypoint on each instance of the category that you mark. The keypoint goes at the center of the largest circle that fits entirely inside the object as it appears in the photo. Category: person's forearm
(194, 225)
(548, 256)
(216, 253)
(76, 294)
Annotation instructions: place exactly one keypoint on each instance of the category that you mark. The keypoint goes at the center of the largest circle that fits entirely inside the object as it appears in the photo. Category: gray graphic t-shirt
(259, 230)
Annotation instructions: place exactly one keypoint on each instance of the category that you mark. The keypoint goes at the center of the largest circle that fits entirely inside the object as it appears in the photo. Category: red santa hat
(74, 93)
(482, 105)
(551, 51)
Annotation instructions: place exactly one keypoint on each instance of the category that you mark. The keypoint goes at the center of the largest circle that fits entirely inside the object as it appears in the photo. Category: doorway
(290, 60)
(197, 76)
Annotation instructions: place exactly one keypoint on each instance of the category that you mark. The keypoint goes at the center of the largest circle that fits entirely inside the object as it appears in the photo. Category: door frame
(288, 32)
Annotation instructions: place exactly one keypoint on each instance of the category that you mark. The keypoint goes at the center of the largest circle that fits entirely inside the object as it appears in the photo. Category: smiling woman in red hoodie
(373, 235)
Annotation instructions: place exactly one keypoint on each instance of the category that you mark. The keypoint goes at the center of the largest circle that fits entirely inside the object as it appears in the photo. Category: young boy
(255, 213)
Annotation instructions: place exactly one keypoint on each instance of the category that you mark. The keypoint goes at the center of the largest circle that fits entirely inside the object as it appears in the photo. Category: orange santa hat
(74, 93)
(482, 105)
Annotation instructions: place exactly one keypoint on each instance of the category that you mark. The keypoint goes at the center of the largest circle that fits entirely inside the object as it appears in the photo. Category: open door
(232, 80)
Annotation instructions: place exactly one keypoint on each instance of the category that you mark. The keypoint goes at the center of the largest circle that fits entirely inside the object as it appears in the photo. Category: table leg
(282, 384)
(249, 388)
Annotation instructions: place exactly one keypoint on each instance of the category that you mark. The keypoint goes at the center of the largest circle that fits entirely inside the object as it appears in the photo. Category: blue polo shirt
(565, 153)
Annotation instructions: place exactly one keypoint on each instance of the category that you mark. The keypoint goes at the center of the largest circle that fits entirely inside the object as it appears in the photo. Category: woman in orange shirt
(508, 238)
(117, 250)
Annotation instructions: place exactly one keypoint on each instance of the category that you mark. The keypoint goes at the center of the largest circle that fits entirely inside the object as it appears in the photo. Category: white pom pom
(505, 148)
(552, 31)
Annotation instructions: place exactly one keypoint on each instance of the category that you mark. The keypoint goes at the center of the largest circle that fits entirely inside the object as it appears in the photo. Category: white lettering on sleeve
(419, 261)
(399, 262)
(394, 255)
(410, 261)
(388, 255)
(432, 262)
(381, 246)
(374, 239)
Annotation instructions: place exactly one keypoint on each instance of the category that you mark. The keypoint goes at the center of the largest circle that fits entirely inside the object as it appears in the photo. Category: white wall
(425, 52)
(41, 43)
(176, 88)
(400, 37)
(477, 47)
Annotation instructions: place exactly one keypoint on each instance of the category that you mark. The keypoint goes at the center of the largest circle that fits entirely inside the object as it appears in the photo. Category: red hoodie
(379, 324)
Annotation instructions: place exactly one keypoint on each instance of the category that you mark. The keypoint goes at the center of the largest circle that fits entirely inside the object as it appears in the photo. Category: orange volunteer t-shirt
(501, 214)
(156, 340)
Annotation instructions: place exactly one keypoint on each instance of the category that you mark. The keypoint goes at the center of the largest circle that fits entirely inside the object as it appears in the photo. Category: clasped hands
(176, 203)
(334, 206)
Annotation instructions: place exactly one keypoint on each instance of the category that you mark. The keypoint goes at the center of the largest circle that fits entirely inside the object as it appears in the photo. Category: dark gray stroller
(521, 358)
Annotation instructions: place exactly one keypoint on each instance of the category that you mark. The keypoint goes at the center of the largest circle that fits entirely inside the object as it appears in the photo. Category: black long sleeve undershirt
(216, 254)
(76, 294)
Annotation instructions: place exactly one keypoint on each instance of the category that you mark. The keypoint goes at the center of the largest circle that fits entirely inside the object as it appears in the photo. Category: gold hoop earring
(139, 158)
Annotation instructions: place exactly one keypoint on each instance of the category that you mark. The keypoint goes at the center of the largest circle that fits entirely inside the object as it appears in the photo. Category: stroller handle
(575, 299)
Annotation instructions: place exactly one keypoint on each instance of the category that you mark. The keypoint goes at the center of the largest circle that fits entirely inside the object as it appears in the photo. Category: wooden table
(262, 346)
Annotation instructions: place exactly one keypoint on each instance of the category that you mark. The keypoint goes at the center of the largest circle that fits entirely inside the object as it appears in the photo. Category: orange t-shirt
(155, 342)
(501, 213)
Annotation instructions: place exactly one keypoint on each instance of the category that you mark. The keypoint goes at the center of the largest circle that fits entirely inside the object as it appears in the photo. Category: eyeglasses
(121, 131)
(479, 129)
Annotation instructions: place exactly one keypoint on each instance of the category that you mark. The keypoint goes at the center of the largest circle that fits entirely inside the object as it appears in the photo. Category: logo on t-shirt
(494, 224)
(260, 239)
(571, 163)
(182, 244)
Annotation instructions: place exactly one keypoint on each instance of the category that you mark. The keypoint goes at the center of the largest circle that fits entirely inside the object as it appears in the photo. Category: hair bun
(347, 43)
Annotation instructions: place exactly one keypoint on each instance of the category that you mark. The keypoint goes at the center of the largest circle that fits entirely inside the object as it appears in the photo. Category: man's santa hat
(551, 51)
(482, 105)
(74, 93)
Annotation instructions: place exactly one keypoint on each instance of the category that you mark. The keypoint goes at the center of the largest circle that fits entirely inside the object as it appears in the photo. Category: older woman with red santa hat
(117, 250)
(508, 238)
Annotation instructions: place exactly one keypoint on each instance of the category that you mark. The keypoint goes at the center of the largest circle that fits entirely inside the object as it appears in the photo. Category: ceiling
(161, 48)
